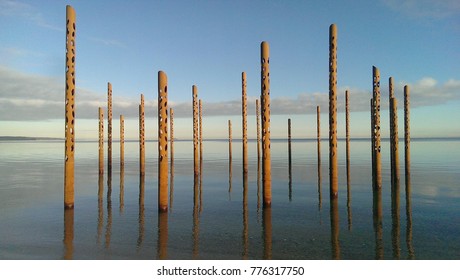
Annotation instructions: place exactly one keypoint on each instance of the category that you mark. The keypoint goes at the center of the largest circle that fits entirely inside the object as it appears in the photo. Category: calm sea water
(220, 216)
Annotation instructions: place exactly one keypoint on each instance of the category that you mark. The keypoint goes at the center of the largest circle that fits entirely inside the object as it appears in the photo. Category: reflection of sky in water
(31, 193)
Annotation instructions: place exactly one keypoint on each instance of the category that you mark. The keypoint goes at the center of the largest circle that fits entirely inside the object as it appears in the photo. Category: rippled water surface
(220, 215)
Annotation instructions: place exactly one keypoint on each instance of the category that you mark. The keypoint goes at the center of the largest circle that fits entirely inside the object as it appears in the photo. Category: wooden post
(69, 177)
(391, 95)
(230, 140)
(244, 112)
(200, 131)
(122, 141)
(141, 137)
(101, 140)
(171, 131)
(265, 100)
(394, 141)
(196, 160)
(162, 142)
(347, 133)
(407, 132)
(109, 128)
(318, 148)
(372, 142)
(258, 129)
(229, 156)
(333, 161)
(289, 160)
(377, 146)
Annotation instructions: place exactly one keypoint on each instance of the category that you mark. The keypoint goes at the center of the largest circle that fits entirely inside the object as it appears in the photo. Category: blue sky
(209, 44)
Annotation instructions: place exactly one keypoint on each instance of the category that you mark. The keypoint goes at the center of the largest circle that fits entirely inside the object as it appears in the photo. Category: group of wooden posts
(263, 139)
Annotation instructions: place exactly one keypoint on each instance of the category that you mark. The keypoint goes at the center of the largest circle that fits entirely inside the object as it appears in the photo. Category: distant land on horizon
(25, 138)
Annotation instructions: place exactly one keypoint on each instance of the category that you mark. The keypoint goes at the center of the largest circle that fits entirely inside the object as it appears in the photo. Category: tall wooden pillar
(69, 178)
(333, 160)
(101, 140)
(141, 137)
(258, 128)
(407, 132)
(122, 141)
(109, 128)
(200, 131)
(196, 161)
(265, 100)
(162, 142)
(244, 112)
(376, 128)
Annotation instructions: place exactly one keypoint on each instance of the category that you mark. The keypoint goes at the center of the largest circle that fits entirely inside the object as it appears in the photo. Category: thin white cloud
(431, 9)
(11, 8)
(108, 42)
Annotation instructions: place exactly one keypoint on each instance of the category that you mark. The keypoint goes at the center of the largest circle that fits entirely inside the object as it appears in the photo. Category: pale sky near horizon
(209, 44)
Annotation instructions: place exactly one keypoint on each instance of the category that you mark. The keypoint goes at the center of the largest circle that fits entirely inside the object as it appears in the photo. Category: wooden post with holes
(171, 132)
(69, 177)
(109, 127)
(391, 95)
(333, 161)
(245, 122)
(347, 132)
(200, 130)
(407, 132)
(376, 128)
(265, 104)
(230, 140)
(162, 142)
(101, 140)
(122, 141)
(258, 128)
(394, 137)
(141, 137)
(196, 161)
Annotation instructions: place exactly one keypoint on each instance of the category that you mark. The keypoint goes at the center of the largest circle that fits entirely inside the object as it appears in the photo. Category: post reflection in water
(319, 174)
(410, 248)
(201, 186)
(267, 232)
(289, 160)
(162, 244)
(68, 233)
(100, 207)
(122, 188)
(395, 229)
(334, 214)
(108, 228)
(258, 189)
(245, 234)
(230, 179)
(171, 185)
(377, 221)
(141, 217)
(348, 189)
(196, 219)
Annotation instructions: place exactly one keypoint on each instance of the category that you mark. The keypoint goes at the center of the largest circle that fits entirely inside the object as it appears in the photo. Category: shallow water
(221, 216)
